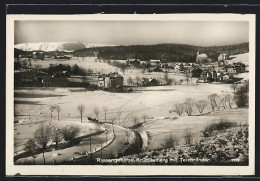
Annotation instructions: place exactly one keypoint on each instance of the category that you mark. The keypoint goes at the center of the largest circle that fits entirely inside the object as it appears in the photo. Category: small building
(149, 82)
(111, 80)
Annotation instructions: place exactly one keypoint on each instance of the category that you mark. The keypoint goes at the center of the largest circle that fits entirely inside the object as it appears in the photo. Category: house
(196, 72)
(163, 65)
(222, 63)
(149, 82)
(240, 67)
(142, 62)
(214, 75)
(111, 80)
(133, 62)
(154, 62)
(38, 55)
(157, 69)
(223, 56)
(205, 76)
(202, 58)
(230, 69)
(179, 66)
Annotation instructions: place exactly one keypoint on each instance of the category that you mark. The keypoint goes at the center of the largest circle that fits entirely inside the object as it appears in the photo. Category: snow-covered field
(32, 105)
(243, 58)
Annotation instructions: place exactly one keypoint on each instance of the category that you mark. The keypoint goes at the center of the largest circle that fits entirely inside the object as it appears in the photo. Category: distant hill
(55, 46)
(169, 52)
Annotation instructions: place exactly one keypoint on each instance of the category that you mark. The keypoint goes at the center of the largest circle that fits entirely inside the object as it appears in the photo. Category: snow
(243, 58)
(56, 46)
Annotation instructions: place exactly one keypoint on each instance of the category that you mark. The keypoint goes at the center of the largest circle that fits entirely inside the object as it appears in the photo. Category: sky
(200, 33)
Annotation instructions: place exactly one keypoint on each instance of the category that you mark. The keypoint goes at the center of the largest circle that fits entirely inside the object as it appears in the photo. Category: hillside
(169, 52)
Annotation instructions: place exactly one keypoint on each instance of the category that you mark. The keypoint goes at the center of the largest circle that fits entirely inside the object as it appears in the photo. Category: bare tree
(188, 136)
(137, 79)
(234, 87)
(130, 81)
(178, 108)
(58, 109)
(96, 112)
(113, 118)
(188, 106)
(229, 100)
(30, 147)
(56, 136)
(135, 119)
(213, 98)
(52, 108)
(201, 104)
(81, 109)
(144, 117)
(223, 101)
(128, 134)
(42, 138)
(105, 109)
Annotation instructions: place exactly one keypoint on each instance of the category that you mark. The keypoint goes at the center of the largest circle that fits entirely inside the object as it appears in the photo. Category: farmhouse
(111, 80)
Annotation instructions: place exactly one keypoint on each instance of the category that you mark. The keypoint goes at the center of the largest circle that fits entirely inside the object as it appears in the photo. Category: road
(116, 147)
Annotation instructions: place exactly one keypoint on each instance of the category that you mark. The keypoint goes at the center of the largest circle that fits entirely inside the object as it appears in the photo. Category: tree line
(215, 101)
(168, 52)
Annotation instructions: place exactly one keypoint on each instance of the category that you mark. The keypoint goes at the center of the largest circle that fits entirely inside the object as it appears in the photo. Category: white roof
(203, 55)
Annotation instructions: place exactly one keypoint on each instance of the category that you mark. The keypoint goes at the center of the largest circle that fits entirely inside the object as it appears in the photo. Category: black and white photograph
(131, 92)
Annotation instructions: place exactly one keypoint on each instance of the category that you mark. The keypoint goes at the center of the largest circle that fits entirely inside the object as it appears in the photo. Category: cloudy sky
(202, 33)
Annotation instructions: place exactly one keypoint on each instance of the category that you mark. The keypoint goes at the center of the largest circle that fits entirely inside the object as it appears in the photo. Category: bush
(221, 125)
(241, 95)
(69, 133)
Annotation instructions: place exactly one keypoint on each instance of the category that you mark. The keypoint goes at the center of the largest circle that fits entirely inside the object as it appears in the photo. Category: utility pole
(90, 143)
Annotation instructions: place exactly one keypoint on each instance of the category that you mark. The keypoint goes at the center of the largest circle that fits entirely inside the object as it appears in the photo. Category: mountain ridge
(56, 46)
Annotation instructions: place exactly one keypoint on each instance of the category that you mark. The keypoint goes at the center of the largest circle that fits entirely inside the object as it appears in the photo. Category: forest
(167, 52)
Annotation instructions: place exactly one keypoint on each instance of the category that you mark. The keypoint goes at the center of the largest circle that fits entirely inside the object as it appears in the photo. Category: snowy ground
(243, 58)
(32, 105)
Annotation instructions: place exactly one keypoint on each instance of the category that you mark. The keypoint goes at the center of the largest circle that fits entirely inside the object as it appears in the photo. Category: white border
(12, 169)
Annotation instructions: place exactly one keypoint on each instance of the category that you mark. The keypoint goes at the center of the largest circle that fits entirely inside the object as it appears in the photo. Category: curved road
(117, 146)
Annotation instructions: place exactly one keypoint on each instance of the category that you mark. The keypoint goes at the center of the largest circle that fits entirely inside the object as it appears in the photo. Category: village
(203, 70)
(118, 102)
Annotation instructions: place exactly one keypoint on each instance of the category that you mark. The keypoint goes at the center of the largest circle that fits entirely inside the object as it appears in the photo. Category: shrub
(69, 133)
(221, 125)
(241, 95)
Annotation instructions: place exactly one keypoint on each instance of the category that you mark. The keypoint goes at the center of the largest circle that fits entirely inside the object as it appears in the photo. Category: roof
(112, 74)
(203, 55)
(155, 60)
